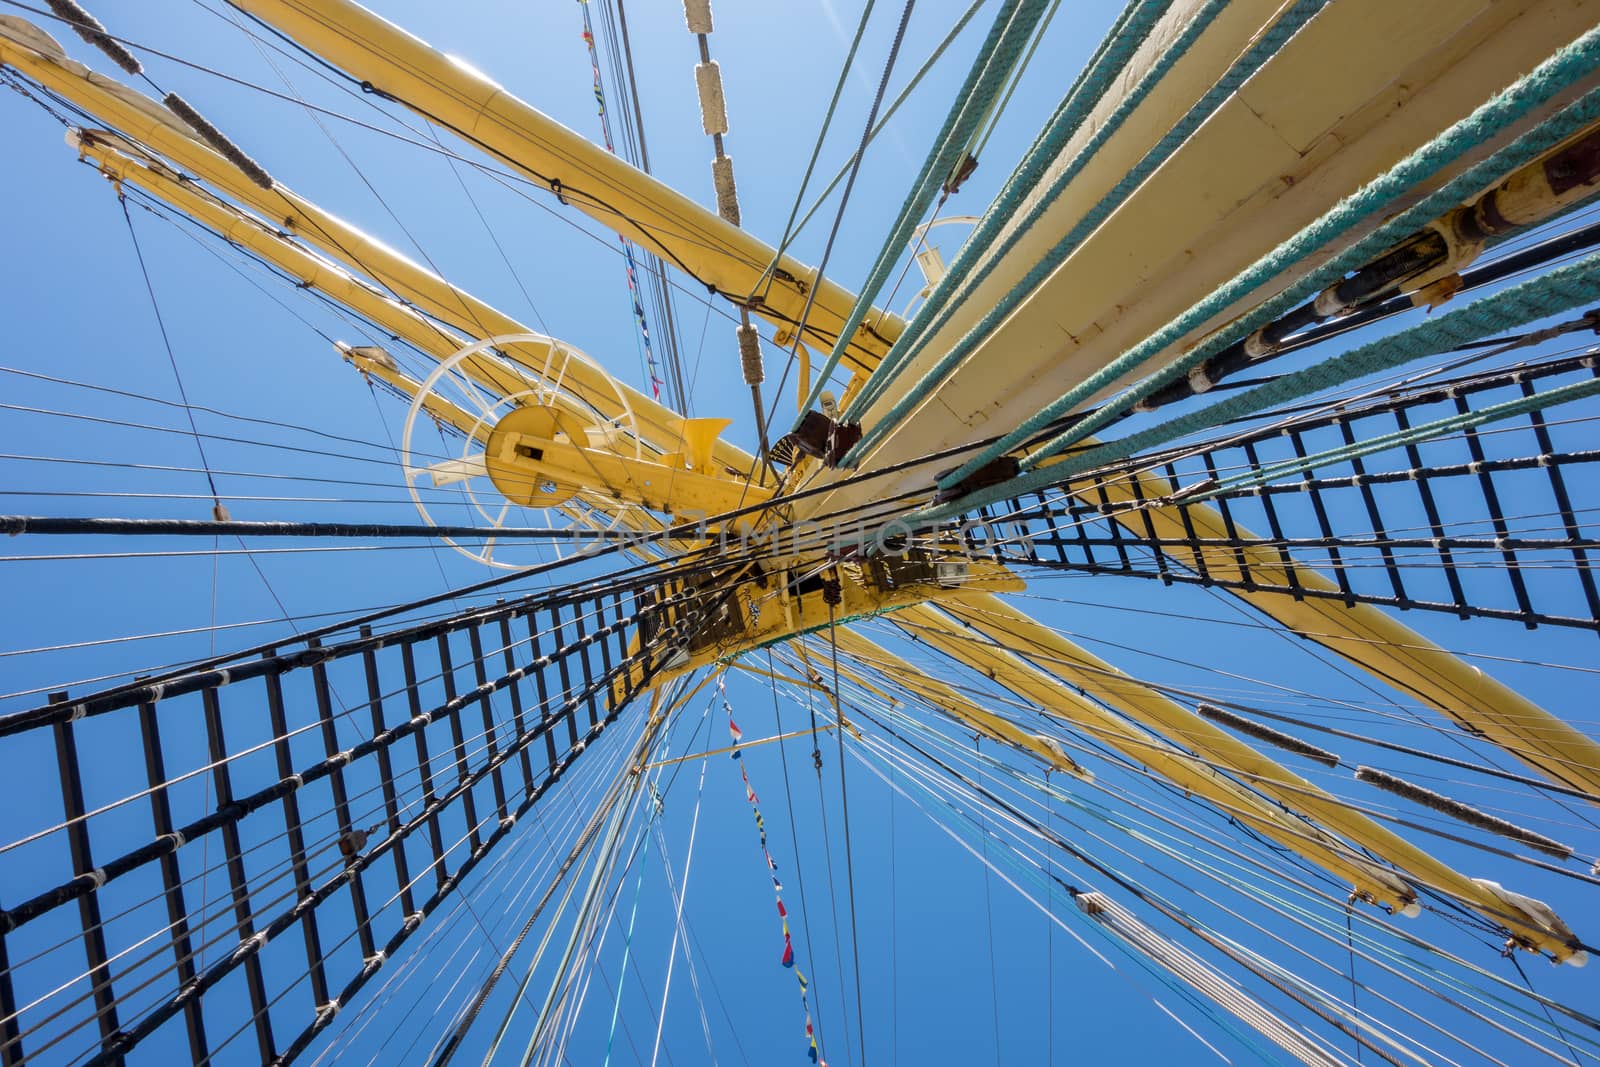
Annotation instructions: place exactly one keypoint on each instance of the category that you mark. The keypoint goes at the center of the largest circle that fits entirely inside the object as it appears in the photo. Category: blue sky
(956, 965)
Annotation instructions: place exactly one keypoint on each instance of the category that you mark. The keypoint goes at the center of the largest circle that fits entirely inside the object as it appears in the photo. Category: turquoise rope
(1124, 38)
(1550, 294)
(1395, 439)
(1013, 26)
(1265, 47)
(990, 120)
(627, 940)
(1560, 71)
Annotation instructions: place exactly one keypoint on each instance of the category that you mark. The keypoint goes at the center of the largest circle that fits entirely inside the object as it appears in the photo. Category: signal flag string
(656, 381)
(737, 736)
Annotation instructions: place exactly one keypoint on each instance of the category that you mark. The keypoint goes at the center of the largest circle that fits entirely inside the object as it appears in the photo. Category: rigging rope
(997, 57)
(218, 512)
(787, 958)
(1262, 49)
(1561, 290)
(1534, 90)
(846, 336)
(831, 593)
(1093, 82)
(791, 229)
(680, 896)
(656, 381)
(1130, 803)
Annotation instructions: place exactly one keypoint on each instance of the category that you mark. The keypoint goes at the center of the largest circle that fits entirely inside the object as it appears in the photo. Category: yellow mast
(121, 162)
(1005, 627)
(584, 175)
(31, 51)
(1371, 880)
(877, 659)
(1370, 638)
(1358, 88)
(154, 126)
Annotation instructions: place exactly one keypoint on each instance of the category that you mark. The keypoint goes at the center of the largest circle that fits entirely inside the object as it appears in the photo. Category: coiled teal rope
(1264, 48)
(1560, 290)
(1551, 294)
(1013, 26)
(1124, 38)
(1562, 70)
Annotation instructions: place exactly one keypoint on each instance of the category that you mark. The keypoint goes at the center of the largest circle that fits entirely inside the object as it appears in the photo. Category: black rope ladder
(1481, 524)
(345, 826)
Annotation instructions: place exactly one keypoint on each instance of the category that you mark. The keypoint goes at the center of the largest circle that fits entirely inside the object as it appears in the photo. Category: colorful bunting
(787, 959)
(656, 381)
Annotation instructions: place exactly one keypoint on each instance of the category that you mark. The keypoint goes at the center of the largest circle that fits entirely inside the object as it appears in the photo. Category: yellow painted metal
(778, 676)
(876, 660)
(740, 747)
(1287, 119)
(616, 478)
(753, 612)
(1372, 881)
(29, 50)
(530, 466)
(699, 441)
(1008, 628)
(1342, 102)
(582, 174)
(1383, 79)
(121, 162)
(1363, 84)
(1370, 638)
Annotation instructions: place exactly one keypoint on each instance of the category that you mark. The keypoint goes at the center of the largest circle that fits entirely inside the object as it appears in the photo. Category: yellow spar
(1008, 628)
(1372, 881)
(1368, 637)
(33, 52)
(584, 175)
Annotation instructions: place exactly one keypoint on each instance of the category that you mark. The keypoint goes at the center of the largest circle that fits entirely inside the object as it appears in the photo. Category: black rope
(831, 593)
(794, 833)
(70, 525)
(166, 341)
(1559, 1029)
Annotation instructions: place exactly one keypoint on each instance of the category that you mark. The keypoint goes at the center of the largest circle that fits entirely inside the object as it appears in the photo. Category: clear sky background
(956, 966)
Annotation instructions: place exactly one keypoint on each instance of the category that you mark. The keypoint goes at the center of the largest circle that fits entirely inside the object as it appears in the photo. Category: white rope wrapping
(713, 107)
(750, 355)
(727, 192)
(697, 13)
